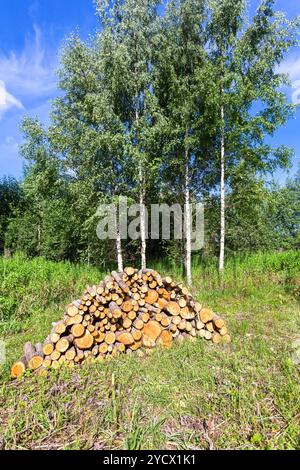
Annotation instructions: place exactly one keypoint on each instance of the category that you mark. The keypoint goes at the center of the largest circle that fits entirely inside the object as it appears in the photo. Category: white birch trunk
(187, 218)
(39, 238)
(142, 217)
(142, 205)
(119, 246)
(222, 196)
(119, 252)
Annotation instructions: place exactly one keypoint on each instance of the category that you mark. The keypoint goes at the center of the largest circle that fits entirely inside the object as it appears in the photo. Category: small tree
(245, 61)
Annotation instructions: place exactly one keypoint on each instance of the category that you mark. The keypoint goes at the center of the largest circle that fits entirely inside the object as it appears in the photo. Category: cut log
(136, 345)
(223, 331)
(182, 325)
(187, 314)
(55, 355)
(152, 329)
(165, 339)
(120, 347)
(48, 348)
(110, 338)
(54, 337)
(115, 310)
(216, 338)
(127, 323)
(100, 337)
(72, 310)
(218, 321)
(33, 358)
(124, 337)
(210, 326)
(201, 333)
(206, 315)
(151, 297)
(18, 368)
(182, 302)
(60, 328)
(131, 315)
(162, 302)
(129, 271)
(207, 334)
(70, 354)
(138, 324)
(64, 343)
(47, 362)
(74, 320)
(176, 320)
(172, 308)
(85, 342)
(165, 321)
(137, 334)
(127, 306)
(200, 325)
(120, 282)
(77, 330)
(145, 317)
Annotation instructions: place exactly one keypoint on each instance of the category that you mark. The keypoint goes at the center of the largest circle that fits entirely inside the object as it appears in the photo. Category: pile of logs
(129, 311)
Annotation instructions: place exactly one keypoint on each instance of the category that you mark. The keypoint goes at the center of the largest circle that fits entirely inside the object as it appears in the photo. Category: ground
(197, 395)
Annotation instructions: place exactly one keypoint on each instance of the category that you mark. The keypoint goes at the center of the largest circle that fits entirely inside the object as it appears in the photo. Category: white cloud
(291, 67)
(296, 93)
(30, 74)
(7, 100)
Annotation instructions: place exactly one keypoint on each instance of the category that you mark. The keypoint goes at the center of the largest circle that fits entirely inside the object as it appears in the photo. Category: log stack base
(132, 311)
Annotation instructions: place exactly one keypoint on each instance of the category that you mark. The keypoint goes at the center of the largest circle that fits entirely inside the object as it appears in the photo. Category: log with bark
(129, 311)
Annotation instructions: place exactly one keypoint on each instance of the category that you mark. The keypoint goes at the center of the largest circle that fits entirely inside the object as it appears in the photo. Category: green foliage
(29, 287)
(285, 213)
(139, 116)
(10, 195)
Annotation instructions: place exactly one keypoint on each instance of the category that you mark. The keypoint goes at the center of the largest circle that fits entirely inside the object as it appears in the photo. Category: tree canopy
(165, 104)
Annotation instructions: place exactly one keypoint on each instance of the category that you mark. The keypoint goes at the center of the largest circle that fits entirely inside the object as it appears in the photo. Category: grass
(194, 396)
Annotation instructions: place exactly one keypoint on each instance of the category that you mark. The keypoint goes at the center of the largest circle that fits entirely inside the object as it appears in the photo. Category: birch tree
(127, 56)
(88, 135)
(245, 60)
(181, 52)
(224, 27)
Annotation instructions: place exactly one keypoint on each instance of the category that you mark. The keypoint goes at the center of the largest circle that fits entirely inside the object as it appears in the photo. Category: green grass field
(244, 395)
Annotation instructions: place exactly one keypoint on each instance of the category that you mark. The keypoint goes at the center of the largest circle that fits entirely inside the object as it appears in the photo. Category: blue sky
(31, 34)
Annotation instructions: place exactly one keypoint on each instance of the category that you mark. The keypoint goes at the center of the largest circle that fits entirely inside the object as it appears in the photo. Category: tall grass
(244, 275)
(27, 285)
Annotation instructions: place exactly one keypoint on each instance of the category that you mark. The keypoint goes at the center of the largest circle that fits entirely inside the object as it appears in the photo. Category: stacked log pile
(129, 311)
